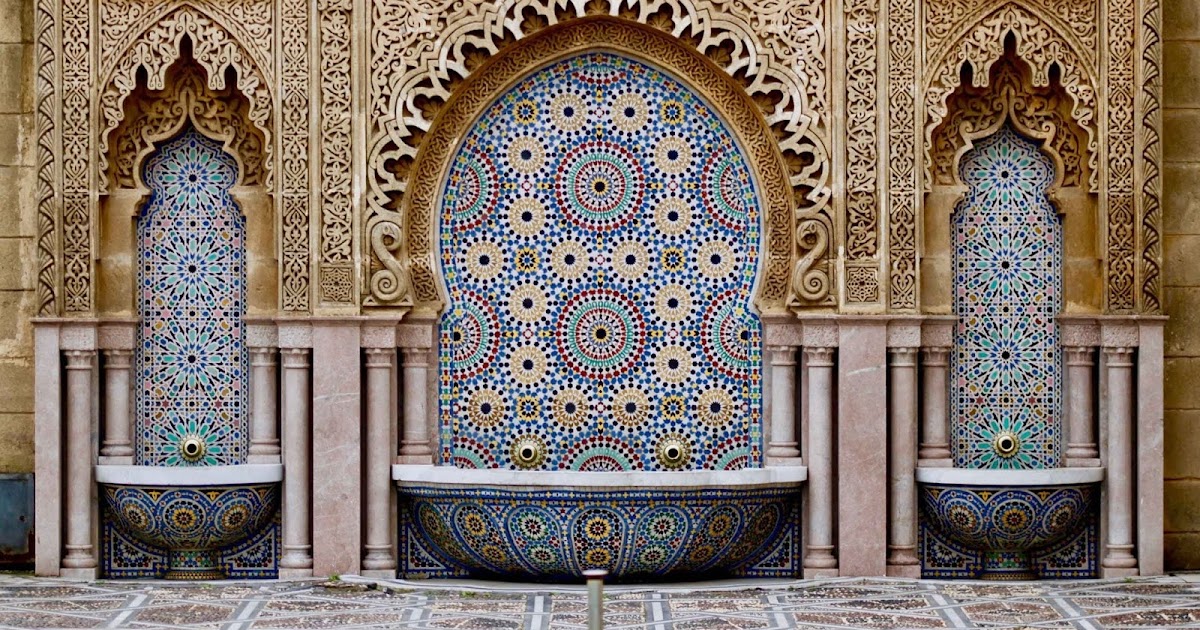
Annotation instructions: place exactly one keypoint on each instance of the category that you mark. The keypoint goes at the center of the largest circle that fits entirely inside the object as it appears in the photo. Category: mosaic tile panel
(554, 535)
(191, 358)
(125, 557)
(1008, 533)
(1006, 368)
(599, 240)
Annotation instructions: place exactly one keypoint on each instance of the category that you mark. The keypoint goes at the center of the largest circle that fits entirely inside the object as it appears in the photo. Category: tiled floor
(1168, 602)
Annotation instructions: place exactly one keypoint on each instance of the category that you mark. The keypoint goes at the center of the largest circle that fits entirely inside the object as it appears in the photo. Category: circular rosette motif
(725, 336)
(191, 523)
(600, 334)
(557, 533)
(472, 191)
(726, 190)
(1007, 523)
(473, 336)
(599, 185)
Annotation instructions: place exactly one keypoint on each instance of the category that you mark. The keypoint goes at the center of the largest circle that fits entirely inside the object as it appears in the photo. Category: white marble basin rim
(1009, 477)
(169, 476)
(419, 474)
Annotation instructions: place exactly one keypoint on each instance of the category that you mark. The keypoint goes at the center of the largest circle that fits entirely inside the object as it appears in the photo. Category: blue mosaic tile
(1006, 366)
(191, 353)
(633, 534)
(1008, 533)
(599, 239)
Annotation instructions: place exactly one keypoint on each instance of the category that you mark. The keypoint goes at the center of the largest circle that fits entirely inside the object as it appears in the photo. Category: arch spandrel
(414, 270)
(980, 43)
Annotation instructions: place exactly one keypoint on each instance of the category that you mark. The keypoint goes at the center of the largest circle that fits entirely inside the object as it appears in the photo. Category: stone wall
(18, 258)
(1181, 253)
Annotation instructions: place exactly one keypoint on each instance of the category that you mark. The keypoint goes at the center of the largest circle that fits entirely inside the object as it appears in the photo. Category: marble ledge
(171, 476)
(1009, 477)
(415, 474)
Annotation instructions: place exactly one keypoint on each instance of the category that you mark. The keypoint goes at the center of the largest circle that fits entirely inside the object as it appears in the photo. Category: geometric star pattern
(191, 353)
(599, 240)
(1005, 365)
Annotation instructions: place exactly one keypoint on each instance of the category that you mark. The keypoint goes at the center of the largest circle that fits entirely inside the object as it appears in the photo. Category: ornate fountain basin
(535, 525)
(1007, 514)
(191, 512)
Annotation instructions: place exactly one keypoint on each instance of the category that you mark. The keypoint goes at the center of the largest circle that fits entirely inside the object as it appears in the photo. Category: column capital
(294, 357)
(819, 356)
(1078, 355)
(936, 356)
(380, 357)
(118, 358)
(902, 356)
(80, 359)
(1118, 356)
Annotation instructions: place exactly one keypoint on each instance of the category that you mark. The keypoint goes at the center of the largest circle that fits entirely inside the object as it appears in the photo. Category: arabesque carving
(421, 51)
(903, 195)
(1150, 156)
(744, 119)
(981, 43)
(214, 48)
(1009, 93)
(862, 137)
(1120, 291)
(49, 103)
(293, 203)
(152, 115)
(336, 206)
(78, 177)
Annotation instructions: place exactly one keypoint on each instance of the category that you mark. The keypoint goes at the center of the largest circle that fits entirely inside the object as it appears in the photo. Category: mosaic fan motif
(1007, 264)
(599, 239)
(191, 347)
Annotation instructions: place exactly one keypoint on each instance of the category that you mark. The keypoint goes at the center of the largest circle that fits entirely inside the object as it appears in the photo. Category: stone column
(80, 560)
(117, 447)
(264, 437)
(783, 404)
(1118, 548)
(420, 371)
(378, 560)
(935, 422)
(902, 506)
(297, 524)
(819, 560)
(1081, 438)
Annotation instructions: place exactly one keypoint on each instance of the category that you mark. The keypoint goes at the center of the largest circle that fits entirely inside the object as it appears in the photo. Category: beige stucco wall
(1181, 146)
(17, 229)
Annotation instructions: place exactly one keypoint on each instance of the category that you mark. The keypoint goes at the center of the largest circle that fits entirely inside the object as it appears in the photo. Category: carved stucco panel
(903, 194)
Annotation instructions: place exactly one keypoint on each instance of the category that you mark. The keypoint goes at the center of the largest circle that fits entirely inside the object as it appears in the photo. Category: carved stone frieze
(154, 115)
(1150, 155)
(862, 140)
(903, 194)
(336, 275)
(1120, 293)
(47, 53)
(218, 42)
(421, 51)
(78, 178)
(293, 203)
(980, 43)
(1009, 94)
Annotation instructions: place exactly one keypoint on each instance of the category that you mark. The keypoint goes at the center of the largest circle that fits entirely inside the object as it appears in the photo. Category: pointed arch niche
(978, 109)
(151, 119)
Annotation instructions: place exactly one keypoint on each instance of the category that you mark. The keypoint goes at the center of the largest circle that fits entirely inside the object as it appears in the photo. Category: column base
(904, 570)
(382, 574)
(1083, 462)
(116, 460)
(80, 574)
(378, 558)
(935, 463)
(784, 461)
(812, 574)
(295, 574)
(415, 459)
(263, 458)
(1118, 572)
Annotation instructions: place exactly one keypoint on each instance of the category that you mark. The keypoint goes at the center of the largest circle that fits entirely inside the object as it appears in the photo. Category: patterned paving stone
(1169, 602)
